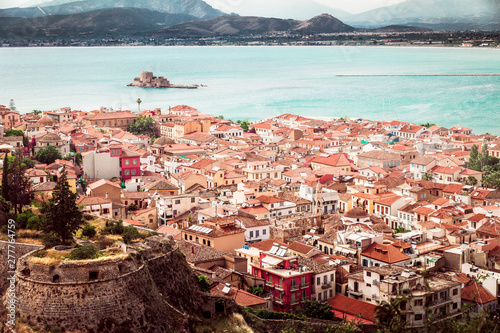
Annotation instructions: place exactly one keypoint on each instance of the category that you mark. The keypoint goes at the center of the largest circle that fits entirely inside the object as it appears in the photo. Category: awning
(344, 250)
(271, 261)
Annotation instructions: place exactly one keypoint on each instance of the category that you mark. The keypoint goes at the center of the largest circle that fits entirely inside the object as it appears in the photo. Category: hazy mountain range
(196, 18)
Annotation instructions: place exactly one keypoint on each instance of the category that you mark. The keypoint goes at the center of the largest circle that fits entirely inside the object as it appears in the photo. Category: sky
(254, 7)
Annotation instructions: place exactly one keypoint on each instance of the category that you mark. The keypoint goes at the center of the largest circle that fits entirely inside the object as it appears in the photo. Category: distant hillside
(196, 8)
(251, 25)
(399, 28)
(457, 14)
(323, 23)
(228, 26)
(103, 22)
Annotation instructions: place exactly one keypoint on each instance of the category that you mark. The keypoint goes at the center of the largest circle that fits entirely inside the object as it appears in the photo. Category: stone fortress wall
(151, 289)
(19, 251)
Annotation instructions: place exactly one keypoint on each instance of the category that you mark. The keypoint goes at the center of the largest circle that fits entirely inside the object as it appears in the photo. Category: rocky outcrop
(152, 289)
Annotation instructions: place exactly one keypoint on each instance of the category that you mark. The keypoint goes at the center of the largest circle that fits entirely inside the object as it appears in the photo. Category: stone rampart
(20, 249)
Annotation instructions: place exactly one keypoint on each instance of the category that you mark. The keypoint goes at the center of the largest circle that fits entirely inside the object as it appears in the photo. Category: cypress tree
(64, 217)
(5, 174)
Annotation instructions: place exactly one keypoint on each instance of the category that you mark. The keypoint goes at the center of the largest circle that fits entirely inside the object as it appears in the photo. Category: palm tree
(139, 104)
(427, 176)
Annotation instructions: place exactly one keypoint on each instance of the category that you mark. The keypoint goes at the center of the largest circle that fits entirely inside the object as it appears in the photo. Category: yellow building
(223, 235)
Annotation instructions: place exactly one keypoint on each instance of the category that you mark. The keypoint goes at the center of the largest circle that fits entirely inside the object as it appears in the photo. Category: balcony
(376, 283)
(269, 284)
(279, 287)
(355, 292)
(326, 286)
(304, 285)
(441, 301)
(295, 301)
(295, 287)
(279, 301)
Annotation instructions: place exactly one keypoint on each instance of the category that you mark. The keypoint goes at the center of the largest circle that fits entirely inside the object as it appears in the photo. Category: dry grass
(232, 324)
(36, 241)
(52, 257)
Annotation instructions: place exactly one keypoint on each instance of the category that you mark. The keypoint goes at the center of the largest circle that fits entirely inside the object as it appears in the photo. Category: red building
(289, 283)
(130, 163)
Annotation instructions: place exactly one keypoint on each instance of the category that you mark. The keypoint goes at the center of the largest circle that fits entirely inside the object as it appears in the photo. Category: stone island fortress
(147, 80)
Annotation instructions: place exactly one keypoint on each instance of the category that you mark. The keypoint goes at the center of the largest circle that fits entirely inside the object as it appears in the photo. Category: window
(185, 236)
(319, 297)
(208, 242)
(204, 242)
(177, 202)
(134, 171)
(331, 293)
(325, 279)
(303, 294)
(134, 162)
(263, 231)
(127, 162)
(193, 200)
(127, 172)
(418, 317)
(190, 237)
(455, 306)
(256, 233)
(93, 275)
(318, 280)
(455, 291)
(368, 285)
(251, 234)
(331, 277)
(368, 273)
(418, 302)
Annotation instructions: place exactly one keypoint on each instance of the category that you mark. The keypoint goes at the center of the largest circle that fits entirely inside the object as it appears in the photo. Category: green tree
(220, 117)
(5, 174)
(18, 183)
(471, 180)
(484, 156)
(318, 310)
(129, 234)
(132, 207)
(37, 112)
(48, 155)
(63, 216)
(256, 290)
(474, 162)
(427, 125)
(390, 316)
(84, 252)
(138, 101)
(12, 132)
(142, 125)
(427, 176)
(244, 125)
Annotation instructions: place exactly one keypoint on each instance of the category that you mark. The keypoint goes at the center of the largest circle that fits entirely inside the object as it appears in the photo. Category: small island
(147, 80)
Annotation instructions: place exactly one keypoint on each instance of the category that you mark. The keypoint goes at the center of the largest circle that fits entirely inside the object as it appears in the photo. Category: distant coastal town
(172, 219)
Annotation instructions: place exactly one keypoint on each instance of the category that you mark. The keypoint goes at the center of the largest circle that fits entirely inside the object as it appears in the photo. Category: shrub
(34, 223)
(129, 234)
(84, 252)
(113, 228)
(22, 219)
(89, 231)
(88, 217)
(104, 242)
(132, 207)
(50, 240)
(267, 314)
(55, 329)
(204, 284)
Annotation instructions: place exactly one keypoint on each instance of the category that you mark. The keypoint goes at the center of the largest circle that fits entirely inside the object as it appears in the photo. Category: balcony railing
(269, 284)
(295, 301)
(278, 287)
(326, 285)
(440, 300)
(304, 285)
(295, 287)
(355, 292)
(279, 301)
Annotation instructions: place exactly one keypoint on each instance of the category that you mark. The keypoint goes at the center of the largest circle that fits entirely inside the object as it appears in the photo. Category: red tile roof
(474, 292)
(353, 307)
(240, 296)
(386, 253)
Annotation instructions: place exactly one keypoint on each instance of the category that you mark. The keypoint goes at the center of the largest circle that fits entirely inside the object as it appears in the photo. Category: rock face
(150, 290)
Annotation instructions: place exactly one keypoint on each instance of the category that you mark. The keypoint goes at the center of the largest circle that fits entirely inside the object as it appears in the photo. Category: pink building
(289, 283)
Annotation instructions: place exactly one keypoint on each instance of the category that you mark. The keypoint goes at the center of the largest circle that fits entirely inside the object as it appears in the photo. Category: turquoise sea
(257, 82)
